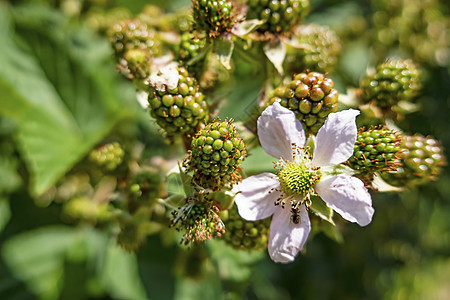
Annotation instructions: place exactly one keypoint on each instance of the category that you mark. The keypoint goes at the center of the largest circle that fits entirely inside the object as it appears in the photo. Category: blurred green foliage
(60, 96)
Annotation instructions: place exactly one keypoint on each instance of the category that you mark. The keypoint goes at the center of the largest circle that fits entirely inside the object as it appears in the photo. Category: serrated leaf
(276, 52)
(223, 49)
(64, 99)
(319, 207)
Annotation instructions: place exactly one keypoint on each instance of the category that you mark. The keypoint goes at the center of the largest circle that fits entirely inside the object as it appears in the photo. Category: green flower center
(296, 179)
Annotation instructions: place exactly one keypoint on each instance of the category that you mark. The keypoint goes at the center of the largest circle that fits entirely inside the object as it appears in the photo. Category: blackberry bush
(316, 48)
(214, 17)
(393, 81)
(421, 160)
(242, 234)
(280, 15)
(310, 96)
(181, 109)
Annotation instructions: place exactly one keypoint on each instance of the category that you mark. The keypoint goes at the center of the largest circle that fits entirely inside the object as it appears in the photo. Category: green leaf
(319, 207)
(234, 265)
(246, 27)
(37, 258)
(120, 274)
(5, 213)
(174, 201)
(59, 89)
(223, 49)
(258, 161)
(275, 52)
(224, 198)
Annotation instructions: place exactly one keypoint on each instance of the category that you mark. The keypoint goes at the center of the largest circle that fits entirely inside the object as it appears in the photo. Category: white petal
(348, 197)
(278, 128)
(256, 199)
(286, 239)
(336, 138)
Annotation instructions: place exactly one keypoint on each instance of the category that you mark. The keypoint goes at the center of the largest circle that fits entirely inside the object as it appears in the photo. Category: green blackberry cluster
(419, 28)
(242, 234)
(217, 150)
(182, 109)
(280, 15)
(376, 150)
(421, 160)
(310, 96)
(393, 81)
(134, 44)
(318, 48)
(200, 220)
(107, 156)
(133, 34)
(214, 17)
(190, 46)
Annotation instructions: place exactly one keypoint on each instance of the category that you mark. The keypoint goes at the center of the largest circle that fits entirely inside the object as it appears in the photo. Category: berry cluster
(421, 160)
(310, 96)
(133, 34)
(189, 47)
(242, 234)
(200, 220)
(280, 15)
(214, 17)
(317, 48)
(375, 150)
(108, 156)
(182, 109)
(134, 44)
(393, 81)
(217, 150)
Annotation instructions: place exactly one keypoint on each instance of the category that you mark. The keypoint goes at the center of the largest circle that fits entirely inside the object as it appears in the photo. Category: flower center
(295, 179)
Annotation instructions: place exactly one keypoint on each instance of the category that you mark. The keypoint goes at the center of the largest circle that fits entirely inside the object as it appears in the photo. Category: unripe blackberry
(214, 17)
(199, 217)
(310, 96)
(137, 63)
(245, 235)
(280, 15)
(393, 81)
(181, 109)
(217, 150)
(318, 48)
(107, 156)
(421, 160)
(375, 150)
(133, 34)
(189, 47)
